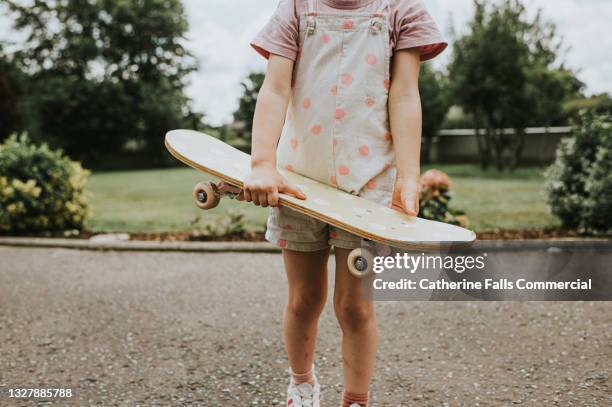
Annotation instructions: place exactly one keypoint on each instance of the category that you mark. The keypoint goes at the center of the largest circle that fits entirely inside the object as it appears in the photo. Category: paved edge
(140, 246)
(263, 247)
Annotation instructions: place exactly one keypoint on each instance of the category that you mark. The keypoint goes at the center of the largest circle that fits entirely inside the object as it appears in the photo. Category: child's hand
(263, 185)
(406, 196)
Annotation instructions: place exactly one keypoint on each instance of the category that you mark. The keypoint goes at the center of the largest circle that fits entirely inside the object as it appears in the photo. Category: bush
(233, 224)
(435, 199)
(579, 183)
(41, 190)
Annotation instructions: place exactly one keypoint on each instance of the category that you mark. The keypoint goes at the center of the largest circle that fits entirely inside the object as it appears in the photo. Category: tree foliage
(600, 103)
(10, 92)
(435, 102)
(506, 74)
(246, 105)
(104, 73)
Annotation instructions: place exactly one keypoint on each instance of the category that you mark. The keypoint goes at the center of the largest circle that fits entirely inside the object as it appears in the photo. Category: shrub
(579, 182)
(41, 190)
(435, 199)
(233, 224)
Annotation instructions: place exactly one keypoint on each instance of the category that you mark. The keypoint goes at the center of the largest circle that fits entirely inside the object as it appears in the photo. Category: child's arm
(406, 124)
(264, 183)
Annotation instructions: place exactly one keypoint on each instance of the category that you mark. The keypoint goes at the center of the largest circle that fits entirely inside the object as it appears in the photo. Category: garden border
(260, 247)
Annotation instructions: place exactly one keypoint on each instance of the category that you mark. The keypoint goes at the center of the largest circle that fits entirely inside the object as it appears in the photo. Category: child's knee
(306, 305)
(354, 314)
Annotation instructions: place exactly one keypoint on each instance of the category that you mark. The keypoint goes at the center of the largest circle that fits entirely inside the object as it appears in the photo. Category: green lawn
(160, 200)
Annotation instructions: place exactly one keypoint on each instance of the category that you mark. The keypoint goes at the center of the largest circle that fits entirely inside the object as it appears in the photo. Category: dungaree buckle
(375, 26)
(311, 24)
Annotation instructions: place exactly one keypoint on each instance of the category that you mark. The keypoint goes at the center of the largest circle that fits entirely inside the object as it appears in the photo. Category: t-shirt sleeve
(280, 36)
(415, 28)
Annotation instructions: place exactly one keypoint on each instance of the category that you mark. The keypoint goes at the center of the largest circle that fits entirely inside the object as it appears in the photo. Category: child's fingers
(263, 199)
(287, 188)
(408, 200)
(247, 195)
(273, 198)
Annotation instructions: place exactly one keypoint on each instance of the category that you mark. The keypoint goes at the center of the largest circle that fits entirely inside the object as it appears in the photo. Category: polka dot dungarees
(337, 125)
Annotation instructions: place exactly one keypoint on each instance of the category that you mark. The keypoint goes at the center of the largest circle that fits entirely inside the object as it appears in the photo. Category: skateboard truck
(207, 195)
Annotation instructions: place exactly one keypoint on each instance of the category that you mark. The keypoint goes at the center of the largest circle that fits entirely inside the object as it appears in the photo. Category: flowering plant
(41, 190)
(435, 199)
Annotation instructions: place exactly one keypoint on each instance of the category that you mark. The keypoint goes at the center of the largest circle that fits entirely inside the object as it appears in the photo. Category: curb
(264, 247)
(140, 246)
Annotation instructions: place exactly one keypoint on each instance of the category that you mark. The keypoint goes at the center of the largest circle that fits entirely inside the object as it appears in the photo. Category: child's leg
(359, 329)
(307, 276)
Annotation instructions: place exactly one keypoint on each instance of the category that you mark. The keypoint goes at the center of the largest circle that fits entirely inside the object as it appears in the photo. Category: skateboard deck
(356, 215)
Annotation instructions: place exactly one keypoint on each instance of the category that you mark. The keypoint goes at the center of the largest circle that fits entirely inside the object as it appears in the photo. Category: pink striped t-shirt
(411, 26)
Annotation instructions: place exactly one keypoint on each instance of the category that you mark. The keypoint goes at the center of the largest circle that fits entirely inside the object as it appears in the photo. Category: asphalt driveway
(204, 329)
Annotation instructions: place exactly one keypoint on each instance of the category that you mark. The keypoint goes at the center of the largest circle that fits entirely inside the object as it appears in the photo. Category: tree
(601, 104)
(246, 105)
(104, 73)
(505, 74)
(10, 92)
(435, 104)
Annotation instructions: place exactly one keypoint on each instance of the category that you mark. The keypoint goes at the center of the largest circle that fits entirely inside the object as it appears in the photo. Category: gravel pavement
(126, 329)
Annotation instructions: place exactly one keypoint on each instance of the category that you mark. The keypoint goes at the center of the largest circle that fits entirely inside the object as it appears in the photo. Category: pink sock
(352, 398)
(299, 378)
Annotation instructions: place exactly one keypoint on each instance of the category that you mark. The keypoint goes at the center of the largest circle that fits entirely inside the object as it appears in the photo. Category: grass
(154, 201)
(160, 200)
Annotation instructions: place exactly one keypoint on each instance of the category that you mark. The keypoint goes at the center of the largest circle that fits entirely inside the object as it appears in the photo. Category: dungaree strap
(382, 8)
(376, 26)
(312, 7)
(311, 22)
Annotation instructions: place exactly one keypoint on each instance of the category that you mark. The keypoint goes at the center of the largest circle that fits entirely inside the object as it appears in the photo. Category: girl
(328, 95)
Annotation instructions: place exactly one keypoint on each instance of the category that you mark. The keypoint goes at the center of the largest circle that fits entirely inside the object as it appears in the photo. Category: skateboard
(366, 219)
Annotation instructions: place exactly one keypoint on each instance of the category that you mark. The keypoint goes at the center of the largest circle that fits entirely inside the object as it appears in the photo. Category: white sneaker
(355, 405)
(304, 395)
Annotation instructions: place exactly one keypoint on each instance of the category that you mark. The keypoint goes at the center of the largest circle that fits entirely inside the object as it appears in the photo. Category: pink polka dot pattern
(346, 79)
(383, 250)
(358, 82)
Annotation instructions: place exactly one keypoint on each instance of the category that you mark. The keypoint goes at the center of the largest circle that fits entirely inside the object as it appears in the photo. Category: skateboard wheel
(359, 263)
(205, 196)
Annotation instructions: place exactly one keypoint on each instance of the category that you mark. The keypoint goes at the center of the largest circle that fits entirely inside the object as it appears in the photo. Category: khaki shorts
(292, 230)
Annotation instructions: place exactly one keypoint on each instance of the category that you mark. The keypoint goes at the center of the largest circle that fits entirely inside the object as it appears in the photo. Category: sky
(220, 32)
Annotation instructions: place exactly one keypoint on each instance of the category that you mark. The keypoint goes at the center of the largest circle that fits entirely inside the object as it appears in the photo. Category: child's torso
(337, 128)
